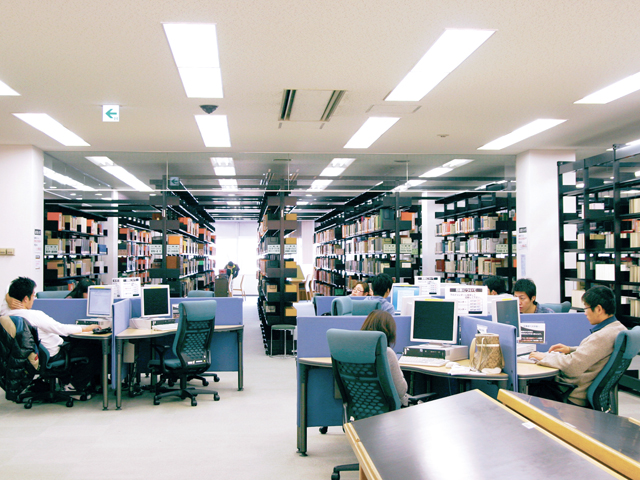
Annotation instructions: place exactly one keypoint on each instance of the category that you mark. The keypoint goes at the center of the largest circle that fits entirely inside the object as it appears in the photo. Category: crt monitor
(99, 301)
(507, 311)
(155, 301)
(406, 304)
(398, 291)
(434, 321)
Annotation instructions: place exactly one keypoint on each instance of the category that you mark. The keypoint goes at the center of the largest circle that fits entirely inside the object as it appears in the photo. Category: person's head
(381, 321)
(23, 289)
(525, 291)
(381, 285)
(81, 289)
(496, 285)
(599, 304)
(361, 289)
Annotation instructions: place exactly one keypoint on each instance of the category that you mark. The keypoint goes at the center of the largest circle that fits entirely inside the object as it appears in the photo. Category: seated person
(50, 332)
(496, 285)
(381, 285)
(361, 289)
(525, 291)
(81, 289)
(580, 365)
(380, 321)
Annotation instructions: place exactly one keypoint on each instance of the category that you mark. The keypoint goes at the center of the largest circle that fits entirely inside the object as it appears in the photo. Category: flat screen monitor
(507, 311)
(402, 290)
(155, 301)
(99, 301)
(434, 321)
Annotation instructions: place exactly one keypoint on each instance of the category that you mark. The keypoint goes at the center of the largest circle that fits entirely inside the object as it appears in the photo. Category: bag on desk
(485, 352)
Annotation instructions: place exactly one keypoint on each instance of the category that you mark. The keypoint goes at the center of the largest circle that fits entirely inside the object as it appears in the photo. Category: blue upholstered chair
(199, 293)
(191, 348)
(52, 294)
(341, 306)
(563, 307)
(365, 307)
(347, 306)
(602, 395)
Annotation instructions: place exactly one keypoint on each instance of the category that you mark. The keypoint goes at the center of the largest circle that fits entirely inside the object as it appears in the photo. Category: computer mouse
(452, 364)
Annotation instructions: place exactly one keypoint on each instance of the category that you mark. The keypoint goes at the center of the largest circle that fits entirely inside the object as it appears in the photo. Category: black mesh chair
(191, 348)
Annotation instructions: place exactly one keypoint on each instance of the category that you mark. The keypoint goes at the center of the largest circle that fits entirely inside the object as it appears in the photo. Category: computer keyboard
(166, 327)
(427, 361)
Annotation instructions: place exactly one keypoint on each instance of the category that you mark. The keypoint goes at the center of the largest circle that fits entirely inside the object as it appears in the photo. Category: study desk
(463, 436)
(140, 334)
(105, 340)
(526, 372)
(610, 439)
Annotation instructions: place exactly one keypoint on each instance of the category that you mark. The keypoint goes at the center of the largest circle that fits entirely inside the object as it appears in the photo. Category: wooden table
(105, 340)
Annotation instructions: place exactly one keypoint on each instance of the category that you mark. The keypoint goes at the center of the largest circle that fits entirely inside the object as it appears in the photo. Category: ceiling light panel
(223, 166)
(370, 131)
(6, 90)
(214, 130)
(64, 180)
(522, 133)
(613, 92)
(457, 162)
(436, 172)
(128, 178)
(195, 51)
(52, 128)
(228, 184)
(319, 185)
(101, 161)
(336, 167)
(449, 51)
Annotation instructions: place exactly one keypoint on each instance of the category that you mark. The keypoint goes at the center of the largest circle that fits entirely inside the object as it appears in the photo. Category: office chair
(191, 348)
(53, 294)
(365, 307)
(563, 307)
(361, 371)
(341, 306)
(240, 289)
(602, 395)
(199, 293)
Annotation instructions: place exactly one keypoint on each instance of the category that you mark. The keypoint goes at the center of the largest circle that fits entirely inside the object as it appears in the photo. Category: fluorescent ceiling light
(6, 90)
(336, 167)
(449, 51)
(302, 203)
(223, 166)
(370, 131)
(613, 92)
(55, 130)
(319, 185)
(101, 161)
(195, 51)
(64, 180)
(214, 130)
(229, 184)
(529, 130)
(233, 202)
(457, 162)
(126, 177)
(436, 172)
(408, 185)
(634, 142)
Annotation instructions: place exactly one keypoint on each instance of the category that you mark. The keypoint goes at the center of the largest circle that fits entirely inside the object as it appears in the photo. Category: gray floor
(248, 434)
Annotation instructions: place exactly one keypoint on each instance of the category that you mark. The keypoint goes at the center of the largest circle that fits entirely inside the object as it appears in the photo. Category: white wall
(537, 211)
(238, 242)
(21, 213)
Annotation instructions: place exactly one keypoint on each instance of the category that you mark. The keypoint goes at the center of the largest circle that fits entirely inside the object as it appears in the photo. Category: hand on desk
(88, 328)
(537, 356)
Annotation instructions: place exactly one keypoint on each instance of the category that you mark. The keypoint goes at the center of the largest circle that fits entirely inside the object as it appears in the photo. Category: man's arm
(13, 303)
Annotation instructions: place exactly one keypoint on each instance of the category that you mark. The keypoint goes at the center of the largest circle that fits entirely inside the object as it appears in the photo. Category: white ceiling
(67, 58)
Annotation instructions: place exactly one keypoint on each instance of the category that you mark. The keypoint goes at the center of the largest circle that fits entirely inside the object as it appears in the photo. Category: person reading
(382, 284)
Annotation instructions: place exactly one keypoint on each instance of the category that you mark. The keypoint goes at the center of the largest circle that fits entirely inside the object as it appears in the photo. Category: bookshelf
(475, 238)
(134, 249)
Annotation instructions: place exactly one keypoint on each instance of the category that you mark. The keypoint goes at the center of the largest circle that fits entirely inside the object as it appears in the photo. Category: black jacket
(18, 357)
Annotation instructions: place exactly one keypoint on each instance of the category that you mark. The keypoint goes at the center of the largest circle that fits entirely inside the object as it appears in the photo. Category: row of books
(329, 263)
(467, 225)
(325, 236)
(369, 266)
(634, 205)
(74, 224)
(329, 249)
(474, 265)
(134, 235)
(128, 264)
(471, 245)
(329, 277)
(328, 290)
(133, 249)
(76, 246)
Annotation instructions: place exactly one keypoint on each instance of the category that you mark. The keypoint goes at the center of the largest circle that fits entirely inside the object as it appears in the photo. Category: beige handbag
(485, 352)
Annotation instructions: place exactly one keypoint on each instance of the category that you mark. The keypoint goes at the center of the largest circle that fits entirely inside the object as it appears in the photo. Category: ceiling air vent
(309, 105)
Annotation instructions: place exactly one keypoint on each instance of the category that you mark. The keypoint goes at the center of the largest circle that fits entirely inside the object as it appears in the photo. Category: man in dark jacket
(18, 355)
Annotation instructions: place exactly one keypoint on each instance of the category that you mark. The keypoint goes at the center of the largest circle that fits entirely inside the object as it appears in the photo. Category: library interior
(352, 235)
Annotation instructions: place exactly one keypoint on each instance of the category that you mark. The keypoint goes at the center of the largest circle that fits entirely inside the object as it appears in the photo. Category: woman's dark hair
(600, 295)
(81, 288)
(496, 284)
(381, 321)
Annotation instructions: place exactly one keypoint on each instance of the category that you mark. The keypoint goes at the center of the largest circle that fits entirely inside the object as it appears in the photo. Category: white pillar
(429, 222)
(538, 251)
(21, 213)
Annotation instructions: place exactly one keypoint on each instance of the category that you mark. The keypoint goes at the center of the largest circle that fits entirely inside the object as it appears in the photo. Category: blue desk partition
(121, 317)
(63, 310)
(507, 333)
(567, 328)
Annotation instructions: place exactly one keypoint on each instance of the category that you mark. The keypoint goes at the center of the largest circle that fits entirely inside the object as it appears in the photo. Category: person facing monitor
(81, 290)
(156, 301)
(382, 284)
(495, 285)
(360, 289)
(525, 291)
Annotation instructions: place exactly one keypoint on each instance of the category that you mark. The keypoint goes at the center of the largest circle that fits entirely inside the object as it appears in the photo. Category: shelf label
(155, 249)
(273, 249)
(126, 287)
(389, 248)
(502, 248)
(290, 249)
(173, 249)
(406, 248)
(51, 249)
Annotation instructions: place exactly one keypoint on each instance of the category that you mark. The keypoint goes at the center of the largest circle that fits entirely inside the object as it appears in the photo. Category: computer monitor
(155, 301)
(399, 290)
(434, 321)
(99, 301)
(507, 311)
(406, 303)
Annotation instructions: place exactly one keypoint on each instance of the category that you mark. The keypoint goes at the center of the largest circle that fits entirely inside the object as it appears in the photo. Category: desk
(611, 439)
(139, 334)
(526, 372)
(105, 339)
(460, 437)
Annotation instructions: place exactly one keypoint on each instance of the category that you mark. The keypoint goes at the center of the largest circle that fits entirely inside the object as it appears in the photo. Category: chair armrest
(160, 350)
(423, 397)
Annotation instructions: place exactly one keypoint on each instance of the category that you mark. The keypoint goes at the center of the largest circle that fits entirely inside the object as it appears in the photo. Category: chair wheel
(324, 430)
(83, 397)
(28, 405)
(171, 383)
(194, 402)
(156, 401)
(335, 476)
(216, 378)
(216, 398)
(205, 383)
(70, 403)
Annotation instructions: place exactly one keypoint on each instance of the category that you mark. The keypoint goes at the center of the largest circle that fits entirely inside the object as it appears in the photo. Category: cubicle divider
(63, 310)
(121, 317)
(566, 328)
(323, 304)
(469, 328)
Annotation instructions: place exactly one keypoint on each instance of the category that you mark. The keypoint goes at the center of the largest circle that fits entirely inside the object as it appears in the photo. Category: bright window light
(223, 166)
(370, 131)
(64, 180)
(126, 177)
(228, 184)
(101, 161)
(49, 126)
(529, 130)
(436, 172)
(457, 162)
(336, 167)
(195, 51)
(6, 90)
(319, 185)
(613, 92)
(449, 51)
(214, 130)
